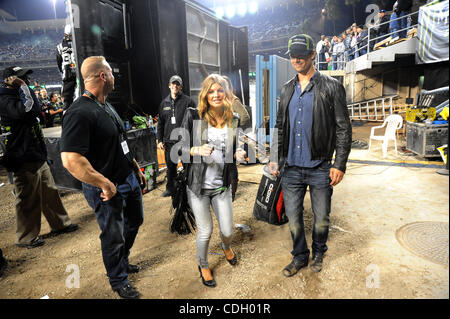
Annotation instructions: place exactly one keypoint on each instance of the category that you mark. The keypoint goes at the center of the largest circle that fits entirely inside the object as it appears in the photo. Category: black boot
(316, 265)
(128, 292)
(3, 263)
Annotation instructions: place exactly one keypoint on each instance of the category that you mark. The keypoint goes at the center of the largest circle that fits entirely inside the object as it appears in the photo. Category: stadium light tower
(242, 9)
(253, 7)
(230, 11)
(220, 12)
(54, 7)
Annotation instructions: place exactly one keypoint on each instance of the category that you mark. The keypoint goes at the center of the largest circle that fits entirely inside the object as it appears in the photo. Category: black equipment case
(269, 204)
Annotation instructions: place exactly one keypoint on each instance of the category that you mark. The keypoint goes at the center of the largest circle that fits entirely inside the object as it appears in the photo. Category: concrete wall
(366, 85)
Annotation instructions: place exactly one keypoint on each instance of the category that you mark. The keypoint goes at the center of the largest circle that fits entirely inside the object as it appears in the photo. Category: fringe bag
(183, 221)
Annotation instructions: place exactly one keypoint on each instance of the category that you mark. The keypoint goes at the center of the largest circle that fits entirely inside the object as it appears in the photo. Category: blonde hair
(230, 87)
(92, 66)
(203, 106)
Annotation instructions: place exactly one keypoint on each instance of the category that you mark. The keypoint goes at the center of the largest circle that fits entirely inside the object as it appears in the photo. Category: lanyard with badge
(172, 119)
(117, 121)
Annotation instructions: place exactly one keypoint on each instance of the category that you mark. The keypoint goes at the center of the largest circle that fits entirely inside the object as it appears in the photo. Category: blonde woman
(237, 106)
(211, 166)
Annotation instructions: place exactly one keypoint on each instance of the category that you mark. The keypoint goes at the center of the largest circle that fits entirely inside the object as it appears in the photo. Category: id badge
(125, 148)
(173, 120)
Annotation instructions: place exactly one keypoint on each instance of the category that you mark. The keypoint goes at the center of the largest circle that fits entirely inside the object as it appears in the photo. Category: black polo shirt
(88, 130)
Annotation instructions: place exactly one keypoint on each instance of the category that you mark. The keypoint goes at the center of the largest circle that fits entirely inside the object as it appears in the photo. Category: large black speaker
(148, 41)
(158, 49)
(101, 29)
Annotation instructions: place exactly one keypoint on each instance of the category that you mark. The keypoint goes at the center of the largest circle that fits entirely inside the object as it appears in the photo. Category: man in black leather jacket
(313, 123)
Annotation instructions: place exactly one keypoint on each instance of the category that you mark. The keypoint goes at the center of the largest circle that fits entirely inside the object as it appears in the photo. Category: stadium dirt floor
(373, 250)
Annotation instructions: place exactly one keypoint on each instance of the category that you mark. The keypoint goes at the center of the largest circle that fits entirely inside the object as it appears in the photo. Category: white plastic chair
(394, 122)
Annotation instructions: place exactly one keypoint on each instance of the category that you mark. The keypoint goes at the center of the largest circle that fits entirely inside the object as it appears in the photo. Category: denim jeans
(119, 220)
(223, 209)
(294, 182)
(403, 24)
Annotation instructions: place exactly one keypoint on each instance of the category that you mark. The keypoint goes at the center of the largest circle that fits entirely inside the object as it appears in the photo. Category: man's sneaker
(3, 264)
(38, 241)
(316, 265)
(128, 292)
(132, 269)
(67, 229)
(166, 194)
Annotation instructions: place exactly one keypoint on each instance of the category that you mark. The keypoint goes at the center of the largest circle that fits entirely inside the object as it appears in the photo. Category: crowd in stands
(29, 45)
(333, 52)
(35, 50)
(47, 76)
(273, 23)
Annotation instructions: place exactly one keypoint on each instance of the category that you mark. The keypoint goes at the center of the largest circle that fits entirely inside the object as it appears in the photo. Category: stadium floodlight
(230, 11)
(253, 7)
(242, 9)
(54, 7)
(220, 12)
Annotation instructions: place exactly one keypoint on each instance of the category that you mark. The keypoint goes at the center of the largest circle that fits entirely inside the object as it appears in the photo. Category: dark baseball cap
(15, 70)
(300, 45)
(176, 78)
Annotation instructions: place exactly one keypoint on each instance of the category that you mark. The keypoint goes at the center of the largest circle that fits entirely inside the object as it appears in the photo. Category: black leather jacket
(331, 128)
(195, 166)
(167, 110)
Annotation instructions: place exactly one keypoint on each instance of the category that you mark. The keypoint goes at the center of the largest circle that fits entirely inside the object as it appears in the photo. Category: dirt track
(367, 210)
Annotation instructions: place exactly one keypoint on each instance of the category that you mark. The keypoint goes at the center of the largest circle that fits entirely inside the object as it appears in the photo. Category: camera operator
(54, 108)
(66, 64)
(26, 158)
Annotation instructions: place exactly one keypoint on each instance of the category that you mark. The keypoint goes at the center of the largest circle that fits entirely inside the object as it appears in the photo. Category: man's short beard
(25, 79)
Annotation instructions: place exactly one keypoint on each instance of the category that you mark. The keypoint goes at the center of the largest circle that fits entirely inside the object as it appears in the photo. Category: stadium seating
(35, 50)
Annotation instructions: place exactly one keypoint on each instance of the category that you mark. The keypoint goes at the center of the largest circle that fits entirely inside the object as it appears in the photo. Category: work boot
(316, 265)
(128, 292)
(3, 264)
(38, 241)
(166, 194)
(132, 269)
(67, 229)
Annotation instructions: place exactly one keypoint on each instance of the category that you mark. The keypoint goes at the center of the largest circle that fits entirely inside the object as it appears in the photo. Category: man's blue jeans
(403, 24)
(119, 220)
(294, 182)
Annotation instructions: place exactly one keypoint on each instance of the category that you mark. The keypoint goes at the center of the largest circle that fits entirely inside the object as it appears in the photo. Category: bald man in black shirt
(94, 150)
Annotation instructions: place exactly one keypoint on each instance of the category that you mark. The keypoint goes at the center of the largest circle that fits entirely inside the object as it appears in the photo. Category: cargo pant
(36, 191)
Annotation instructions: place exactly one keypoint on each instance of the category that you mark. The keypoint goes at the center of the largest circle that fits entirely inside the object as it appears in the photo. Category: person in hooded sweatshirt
(26, 159)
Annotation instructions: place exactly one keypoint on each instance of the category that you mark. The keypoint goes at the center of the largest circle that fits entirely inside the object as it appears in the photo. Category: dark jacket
(362, 39)
(404, 5)
(195, 166)
(384, 28)
(25, 140)
(331, 128)
(167, 110)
